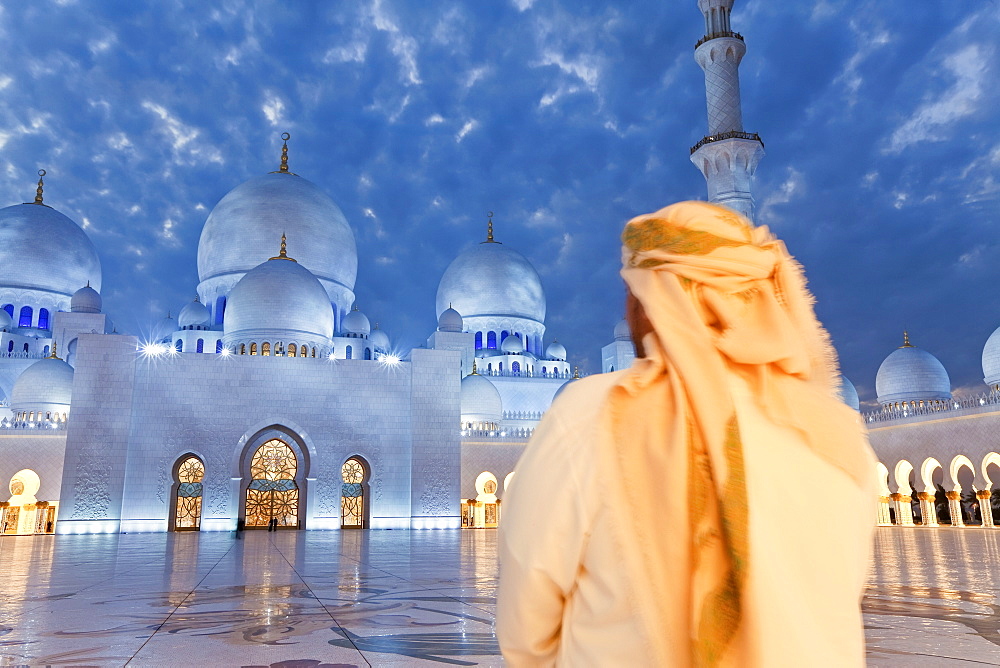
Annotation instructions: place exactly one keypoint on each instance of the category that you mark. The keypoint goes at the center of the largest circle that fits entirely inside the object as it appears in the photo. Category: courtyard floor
(384, 598)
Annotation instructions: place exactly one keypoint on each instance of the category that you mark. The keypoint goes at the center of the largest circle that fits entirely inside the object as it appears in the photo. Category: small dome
(41, 249)
(6, 322)
(512, 344)
(556, 351)
(164, 329)
(490, 279)
(622, 331)
(911, 374)
(480, 400)
(86, 300)
(45, 385)
(356, 323)
(848, 393)
(379, 339)
(194, 314)
(279, 298)
(450, 321)
(991, 359)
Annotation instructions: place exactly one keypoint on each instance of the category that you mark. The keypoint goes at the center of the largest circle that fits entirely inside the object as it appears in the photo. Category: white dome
(991, 359)
(911, 374)
(41, 249)
(86, 300)
(556, 351)
(164, 329)
(6, 322)
(356, 323)
(450, 321)
(194, 314)
(480, 400)
(240, 233)
(512, 344)
(279, 298)
(848, 393)
(490, 279)
(45, 385)
(379, 339)
(622, 331)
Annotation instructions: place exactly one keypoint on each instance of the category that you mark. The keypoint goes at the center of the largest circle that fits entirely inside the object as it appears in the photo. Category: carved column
(884, 519)
(927, 510)
(904, 513)
(955, 508)
(985, 507)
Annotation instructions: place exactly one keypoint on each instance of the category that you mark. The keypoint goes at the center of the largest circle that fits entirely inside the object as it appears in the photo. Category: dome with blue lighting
(491, 279)
(241, 230)
(356, 323)
(86, 300)
(512, 345)
(991, 360)
(450, 321)
(556, 351)
(278, 300)
(379, 339)
(622, 331)
(911, 374)
(194, 315)
(481, 402)
(164, 329)
(46, 385)
(848, 393)
(41, 249)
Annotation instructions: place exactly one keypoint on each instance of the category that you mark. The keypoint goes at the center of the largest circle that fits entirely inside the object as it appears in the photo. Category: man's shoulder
(585, 396)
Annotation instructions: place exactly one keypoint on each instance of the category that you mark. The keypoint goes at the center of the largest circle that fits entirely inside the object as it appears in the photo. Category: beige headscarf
(723, 297)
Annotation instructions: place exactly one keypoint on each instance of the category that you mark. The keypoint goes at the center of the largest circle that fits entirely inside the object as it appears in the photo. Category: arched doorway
(188, 474)
(353, 500)
(273, 492)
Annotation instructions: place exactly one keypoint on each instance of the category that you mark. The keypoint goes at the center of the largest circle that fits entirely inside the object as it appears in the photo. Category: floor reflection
(338, 599)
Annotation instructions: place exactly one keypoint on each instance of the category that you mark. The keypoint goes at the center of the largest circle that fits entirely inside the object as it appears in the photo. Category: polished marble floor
(391, 598)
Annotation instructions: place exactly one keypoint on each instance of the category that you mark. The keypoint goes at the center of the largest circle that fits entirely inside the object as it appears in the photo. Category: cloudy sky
(880, 120)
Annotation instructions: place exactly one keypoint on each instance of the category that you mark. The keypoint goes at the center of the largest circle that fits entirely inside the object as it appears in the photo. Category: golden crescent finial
(474, 373)
(53, 356)
(284, 152)
(489, 228)
(41, 184)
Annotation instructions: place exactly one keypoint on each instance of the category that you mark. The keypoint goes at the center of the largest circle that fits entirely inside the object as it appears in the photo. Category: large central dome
(41, 249)
(240, 232)
(491, 279)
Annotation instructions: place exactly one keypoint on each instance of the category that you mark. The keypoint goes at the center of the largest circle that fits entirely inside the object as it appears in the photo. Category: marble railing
(511, 434)
(731, 134)
(24, 425)
(936, 408)
(716, 35)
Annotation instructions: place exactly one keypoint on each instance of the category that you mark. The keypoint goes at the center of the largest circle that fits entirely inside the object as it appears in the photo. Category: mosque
(271, 398)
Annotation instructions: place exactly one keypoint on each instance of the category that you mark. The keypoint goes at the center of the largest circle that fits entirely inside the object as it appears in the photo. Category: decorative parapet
(936, 408)
(731, 134)
(24, 425)
(716, 35)
(519, 434)
(526, 374)
(522, 415)
(23, 355)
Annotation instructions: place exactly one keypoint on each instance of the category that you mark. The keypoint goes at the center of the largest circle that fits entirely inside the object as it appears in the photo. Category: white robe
(561, 595)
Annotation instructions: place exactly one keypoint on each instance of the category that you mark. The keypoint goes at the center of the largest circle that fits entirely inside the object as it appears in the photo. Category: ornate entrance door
(272, 493)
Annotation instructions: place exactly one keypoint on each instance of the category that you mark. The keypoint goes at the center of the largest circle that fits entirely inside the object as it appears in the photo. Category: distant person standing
(240, 525)
(651, 523)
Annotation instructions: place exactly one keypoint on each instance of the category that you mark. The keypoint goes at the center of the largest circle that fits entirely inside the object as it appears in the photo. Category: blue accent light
(25, 319)
(479, 339)
(491, 340)
(201, 346)
(43, 318)
(10, 309)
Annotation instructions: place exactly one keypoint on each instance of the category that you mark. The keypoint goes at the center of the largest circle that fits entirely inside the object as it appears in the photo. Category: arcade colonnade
(958, 491)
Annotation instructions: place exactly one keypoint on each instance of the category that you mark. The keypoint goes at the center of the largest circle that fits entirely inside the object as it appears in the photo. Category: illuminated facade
(270, 398)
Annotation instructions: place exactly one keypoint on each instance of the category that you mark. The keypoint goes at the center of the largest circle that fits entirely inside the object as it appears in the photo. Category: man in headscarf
(711, 506)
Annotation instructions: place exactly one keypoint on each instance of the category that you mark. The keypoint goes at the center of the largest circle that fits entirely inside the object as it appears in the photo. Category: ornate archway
(189, 473)
(353, 500)
(272, 492)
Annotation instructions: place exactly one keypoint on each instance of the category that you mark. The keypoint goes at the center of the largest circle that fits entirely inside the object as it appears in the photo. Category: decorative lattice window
(190, 474)
(273, 493)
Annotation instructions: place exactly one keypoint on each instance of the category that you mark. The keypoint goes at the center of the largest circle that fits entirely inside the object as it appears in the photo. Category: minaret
(727, 156)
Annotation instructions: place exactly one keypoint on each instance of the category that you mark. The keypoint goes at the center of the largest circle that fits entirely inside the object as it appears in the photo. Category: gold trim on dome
(282, 254)
(53, 356)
